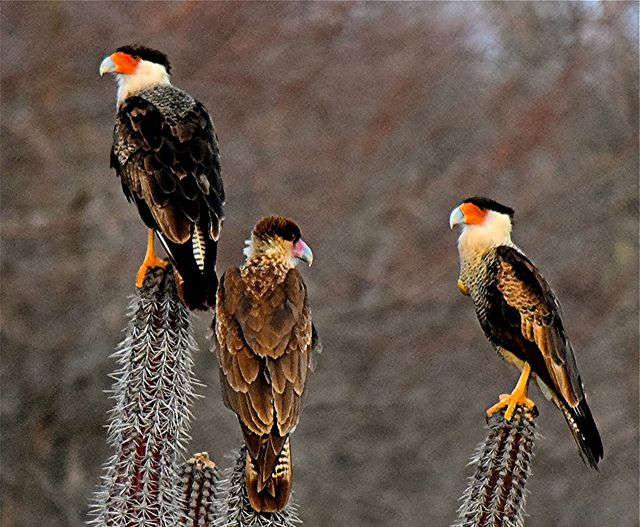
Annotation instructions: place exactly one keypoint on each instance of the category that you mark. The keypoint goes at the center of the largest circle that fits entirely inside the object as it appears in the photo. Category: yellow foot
(517, 397)
(150, 259)
(511, 400)
(463, 288)
(149, 263)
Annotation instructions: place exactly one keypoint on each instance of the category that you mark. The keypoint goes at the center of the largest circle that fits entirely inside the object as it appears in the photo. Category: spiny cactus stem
(495, 495)
(149, 423)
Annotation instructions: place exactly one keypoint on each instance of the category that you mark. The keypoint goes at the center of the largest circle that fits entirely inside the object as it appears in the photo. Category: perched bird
(165, 152)
(521, 317)
(265, 339)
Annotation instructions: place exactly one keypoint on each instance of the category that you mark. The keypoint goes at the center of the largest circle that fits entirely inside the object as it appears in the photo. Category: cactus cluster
(496, 492)
(145, 482)
(150, 420)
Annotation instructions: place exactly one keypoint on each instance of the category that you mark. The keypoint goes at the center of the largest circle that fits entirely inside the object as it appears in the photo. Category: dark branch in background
(234, 507)
(201, 488)
(496, 494)
(150, 421)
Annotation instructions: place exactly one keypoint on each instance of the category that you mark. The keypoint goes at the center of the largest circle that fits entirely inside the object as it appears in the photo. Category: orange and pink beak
(302, 251)
(467, 214)
(119, 62)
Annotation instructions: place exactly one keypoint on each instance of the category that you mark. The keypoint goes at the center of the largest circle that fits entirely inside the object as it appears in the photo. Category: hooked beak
(303, 252)
(107, 66)
(456, 217)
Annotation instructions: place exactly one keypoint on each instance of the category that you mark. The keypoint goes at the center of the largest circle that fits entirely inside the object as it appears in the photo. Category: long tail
(584, 431)
(269, 492)
(195, 262)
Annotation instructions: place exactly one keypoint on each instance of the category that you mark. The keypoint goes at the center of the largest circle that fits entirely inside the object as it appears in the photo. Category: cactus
(201, 486)
(234, 507)
(496, 493)
(150, 420)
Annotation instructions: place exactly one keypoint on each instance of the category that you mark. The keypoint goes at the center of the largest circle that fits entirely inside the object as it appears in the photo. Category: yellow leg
(150, 260)
(517, 397)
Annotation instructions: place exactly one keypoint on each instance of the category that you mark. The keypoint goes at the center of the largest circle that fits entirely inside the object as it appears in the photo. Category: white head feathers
(494, 231)
(146, 75)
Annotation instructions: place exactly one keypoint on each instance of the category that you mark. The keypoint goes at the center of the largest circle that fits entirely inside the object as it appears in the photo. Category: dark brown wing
(170, 166)
(527, 320)
(263, 352)
(524, 289)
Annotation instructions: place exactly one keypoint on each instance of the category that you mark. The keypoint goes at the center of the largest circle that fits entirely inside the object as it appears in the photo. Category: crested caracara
(521, 317)
(264, 341)
(165, 152)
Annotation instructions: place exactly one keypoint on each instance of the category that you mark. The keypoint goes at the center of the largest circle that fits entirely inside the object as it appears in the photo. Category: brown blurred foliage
(366, 123)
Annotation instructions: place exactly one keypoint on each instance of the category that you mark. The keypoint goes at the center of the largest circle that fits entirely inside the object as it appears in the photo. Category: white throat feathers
(146, 75)
(476, 240)
(248, 248)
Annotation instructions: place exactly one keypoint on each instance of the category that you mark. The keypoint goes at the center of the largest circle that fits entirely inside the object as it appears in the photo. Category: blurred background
(366, 123)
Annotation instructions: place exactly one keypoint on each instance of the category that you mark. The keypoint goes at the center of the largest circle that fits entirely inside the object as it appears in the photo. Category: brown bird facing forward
(265, 338)
(521, 317)
(165, 152)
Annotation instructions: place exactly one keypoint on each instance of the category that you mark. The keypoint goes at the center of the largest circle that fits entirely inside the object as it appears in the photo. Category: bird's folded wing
(172, 163)
(263, 352)
(524, 289)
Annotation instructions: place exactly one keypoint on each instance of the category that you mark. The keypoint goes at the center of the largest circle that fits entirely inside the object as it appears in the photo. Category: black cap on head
(148, 54)
(277, 226)
(489, 204)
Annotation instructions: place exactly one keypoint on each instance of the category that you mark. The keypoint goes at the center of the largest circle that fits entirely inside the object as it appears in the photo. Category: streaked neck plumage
(265, 266)
(274, 252)
(147, 75)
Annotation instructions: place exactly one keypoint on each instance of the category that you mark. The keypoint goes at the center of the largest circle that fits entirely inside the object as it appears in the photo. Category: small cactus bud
(200, 478)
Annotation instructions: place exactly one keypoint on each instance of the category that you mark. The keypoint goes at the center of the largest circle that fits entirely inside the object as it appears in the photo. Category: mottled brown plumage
(264, 334)
(526, 291)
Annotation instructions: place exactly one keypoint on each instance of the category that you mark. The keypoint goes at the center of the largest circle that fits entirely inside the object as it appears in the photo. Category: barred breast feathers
(169, 100)
(121, 147)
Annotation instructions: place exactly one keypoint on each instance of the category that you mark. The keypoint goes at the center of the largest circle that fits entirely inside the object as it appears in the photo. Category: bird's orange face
(125, 63)
(473, 215)
(119, 62)
(468, 214)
